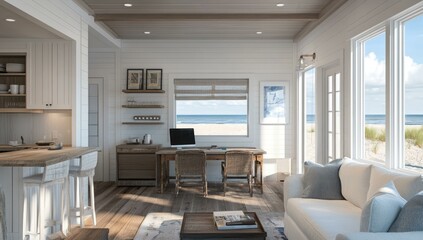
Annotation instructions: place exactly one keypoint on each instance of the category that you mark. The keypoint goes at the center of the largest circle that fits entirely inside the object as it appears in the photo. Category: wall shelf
(12, 74)
(20, 110)
(142, 91)
(143, 123)
(11, 95)
(143, 106)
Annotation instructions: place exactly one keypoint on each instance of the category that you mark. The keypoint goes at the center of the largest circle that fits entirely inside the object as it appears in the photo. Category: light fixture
(147, 33)
(259, 33)
(127, 4)
(306, 60)
(10, 20)
(280, 5)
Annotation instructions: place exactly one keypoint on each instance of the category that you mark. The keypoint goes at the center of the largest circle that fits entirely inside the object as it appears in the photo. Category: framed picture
(134, 78)
(153, 79)
(274, 102)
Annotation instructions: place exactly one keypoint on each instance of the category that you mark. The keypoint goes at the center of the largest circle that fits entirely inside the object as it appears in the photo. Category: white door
(95, 123)
(332, 80)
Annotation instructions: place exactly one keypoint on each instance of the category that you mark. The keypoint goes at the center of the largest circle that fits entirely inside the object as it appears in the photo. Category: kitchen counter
(41, 157)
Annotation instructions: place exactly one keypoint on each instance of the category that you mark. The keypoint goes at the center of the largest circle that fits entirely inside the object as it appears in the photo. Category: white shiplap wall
(331, 42)
(267, 60)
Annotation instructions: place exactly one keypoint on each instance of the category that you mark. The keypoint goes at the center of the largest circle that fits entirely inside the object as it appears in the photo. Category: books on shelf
(226, 220)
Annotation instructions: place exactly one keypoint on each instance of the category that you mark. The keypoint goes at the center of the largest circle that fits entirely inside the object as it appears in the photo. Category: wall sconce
(306, 60)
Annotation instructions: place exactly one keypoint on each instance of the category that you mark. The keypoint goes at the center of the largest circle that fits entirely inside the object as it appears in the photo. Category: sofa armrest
(292, 188)
(381, 236)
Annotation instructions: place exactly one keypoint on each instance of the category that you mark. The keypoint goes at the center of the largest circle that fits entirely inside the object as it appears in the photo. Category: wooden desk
(165, 155)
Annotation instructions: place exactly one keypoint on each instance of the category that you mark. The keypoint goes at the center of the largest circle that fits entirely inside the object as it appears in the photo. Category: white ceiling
(206, 19)
(22, 28)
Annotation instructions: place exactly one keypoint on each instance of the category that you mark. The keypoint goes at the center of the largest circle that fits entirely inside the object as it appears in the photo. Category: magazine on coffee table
(226, 220)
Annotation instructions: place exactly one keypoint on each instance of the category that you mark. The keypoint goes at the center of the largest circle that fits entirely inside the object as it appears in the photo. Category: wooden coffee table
(200, 225)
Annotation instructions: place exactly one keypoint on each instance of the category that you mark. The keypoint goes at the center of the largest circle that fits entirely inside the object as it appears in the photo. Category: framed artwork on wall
(153, 79)
(134, 79)
(274, 102)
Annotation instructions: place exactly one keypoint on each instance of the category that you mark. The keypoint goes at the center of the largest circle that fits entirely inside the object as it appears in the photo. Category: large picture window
(388, 100)
(213, 107)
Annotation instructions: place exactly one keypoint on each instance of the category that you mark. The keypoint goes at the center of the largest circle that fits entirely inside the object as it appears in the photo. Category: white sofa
(317, 219)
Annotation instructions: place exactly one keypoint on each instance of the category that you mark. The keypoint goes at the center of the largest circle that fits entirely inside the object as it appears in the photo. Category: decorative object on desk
(274, 102)
(147, 139)
(226, 220)
(134, 79)
(153, 79)
(147, 118)
(134, 140)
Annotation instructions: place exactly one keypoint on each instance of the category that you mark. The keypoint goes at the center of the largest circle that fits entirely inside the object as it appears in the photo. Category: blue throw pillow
(411, 216)
(322, 182)
(382, 209)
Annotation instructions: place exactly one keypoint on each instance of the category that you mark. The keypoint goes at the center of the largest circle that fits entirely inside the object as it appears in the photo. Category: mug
(21, 89)
(14, 89)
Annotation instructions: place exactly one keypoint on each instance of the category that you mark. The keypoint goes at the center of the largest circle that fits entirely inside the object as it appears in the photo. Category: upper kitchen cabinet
(51, 75)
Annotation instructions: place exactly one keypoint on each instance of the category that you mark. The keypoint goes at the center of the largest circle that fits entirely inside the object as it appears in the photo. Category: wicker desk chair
(190, 164)
(238, 165)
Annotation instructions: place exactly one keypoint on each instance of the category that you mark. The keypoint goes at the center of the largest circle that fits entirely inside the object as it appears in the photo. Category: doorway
(95, 123)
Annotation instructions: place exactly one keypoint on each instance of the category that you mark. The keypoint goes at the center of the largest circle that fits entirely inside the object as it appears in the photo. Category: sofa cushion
(355, 179)
(407, 185)
(382, 209)
(410, 218)
(323, 219)
(322, 182)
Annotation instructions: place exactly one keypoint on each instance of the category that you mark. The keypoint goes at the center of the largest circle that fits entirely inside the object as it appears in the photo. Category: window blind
(211, 89)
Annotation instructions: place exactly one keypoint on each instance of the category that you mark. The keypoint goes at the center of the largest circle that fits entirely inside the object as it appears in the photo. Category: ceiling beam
(206, 17)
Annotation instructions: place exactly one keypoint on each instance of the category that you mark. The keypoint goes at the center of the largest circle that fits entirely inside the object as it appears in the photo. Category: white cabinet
(51, 75)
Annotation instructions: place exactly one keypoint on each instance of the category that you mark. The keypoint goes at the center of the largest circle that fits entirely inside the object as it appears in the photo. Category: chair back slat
(89, 161)
(56, 171)
(238, 162)
(190, 162)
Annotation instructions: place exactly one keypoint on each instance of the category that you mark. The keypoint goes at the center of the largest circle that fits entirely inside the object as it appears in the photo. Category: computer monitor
(182, 137)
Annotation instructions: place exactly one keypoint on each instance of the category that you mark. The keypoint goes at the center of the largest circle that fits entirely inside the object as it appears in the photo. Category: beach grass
(375, 134)
(414, 135)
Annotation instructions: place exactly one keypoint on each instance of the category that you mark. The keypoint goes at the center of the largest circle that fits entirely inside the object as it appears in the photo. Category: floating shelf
(143, 91)
(11, 95)
(12, 74)
(142, 106)
(20, 110)
(143, 123)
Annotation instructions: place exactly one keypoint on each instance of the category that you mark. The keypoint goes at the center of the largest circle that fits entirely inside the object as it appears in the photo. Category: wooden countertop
(41, 157)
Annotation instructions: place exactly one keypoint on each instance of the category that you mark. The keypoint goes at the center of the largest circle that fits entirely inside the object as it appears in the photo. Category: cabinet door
(50, 84)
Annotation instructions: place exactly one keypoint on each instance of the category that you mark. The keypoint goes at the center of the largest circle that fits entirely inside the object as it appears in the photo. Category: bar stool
(52, 174)
(86, 168)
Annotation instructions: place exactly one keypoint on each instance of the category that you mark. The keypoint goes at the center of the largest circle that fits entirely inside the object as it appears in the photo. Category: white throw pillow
(408, 185)
(355, 178)
(382, 209)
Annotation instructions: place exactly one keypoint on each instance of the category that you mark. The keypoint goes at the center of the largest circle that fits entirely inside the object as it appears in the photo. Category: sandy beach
(217, 129)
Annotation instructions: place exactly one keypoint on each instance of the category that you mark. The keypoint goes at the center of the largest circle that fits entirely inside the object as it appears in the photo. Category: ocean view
(215, 119)
(410, 119)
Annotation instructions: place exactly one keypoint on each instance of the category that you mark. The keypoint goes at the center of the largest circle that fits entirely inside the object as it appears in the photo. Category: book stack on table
(226, 220)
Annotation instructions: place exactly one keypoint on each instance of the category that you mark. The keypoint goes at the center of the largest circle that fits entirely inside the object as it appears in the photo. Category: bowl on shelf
(2, 68)
(15, 67)
(44, 143)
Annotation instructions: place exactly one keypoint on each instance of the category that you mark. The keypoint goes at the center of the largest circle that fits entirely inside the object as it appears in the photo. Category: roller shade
(211, 89)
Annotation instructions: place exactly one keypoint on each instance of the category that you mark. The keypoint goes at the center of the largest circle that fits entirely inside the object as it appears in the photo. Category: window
(213, 107)
(412, 62)
(388, 100)
(374, 70)
(310, 115)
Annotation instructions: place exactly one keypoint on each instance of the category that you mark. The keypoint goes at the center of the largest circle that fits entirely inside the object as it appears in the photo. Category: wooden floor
(122, 209)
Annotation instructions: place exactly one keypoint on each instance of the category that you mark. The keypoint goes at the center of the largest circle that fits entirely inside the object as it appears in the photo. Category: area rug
(166, 226)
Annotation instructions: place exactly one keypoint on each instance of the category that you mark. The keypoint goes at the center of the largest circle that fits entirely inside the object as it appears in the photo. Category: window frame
(212, 139)
(394, 93)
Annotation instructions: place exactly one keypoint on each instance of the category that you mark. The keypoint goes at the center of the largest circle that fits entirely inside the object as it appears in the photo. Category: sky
(374, 72)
